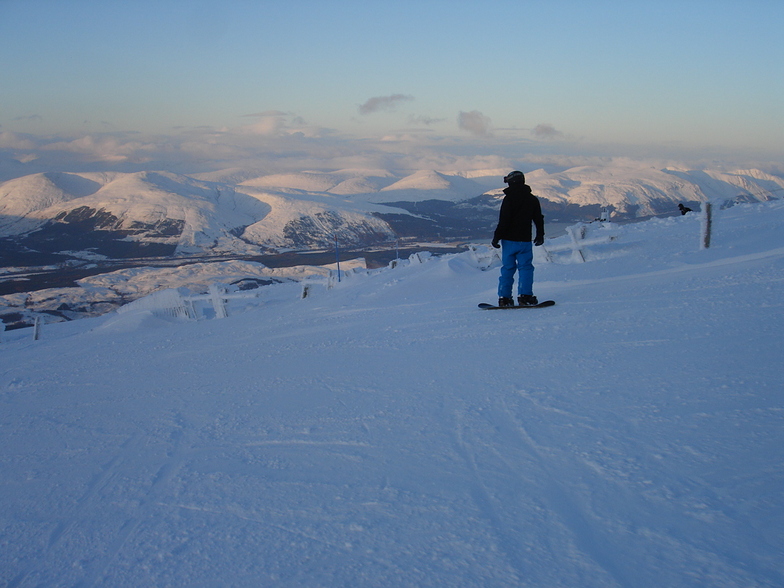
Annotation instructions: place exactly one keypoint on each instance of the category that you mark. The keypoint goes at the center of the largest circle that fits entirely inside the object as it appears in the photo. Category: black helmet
(514, 177)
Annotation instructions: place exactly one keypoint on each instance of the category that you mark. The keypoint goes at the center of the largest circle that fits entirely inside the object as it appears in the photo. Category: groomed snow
(386, 432)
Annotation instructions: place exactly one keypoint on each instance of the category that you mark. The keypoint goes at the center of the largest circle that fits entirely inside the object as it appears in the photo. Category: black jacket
(519, 209)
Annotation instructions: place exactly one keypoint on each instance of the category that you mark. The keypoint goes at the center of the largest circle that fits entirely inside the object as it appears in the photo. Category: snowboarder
(684, 209)
(519, 209)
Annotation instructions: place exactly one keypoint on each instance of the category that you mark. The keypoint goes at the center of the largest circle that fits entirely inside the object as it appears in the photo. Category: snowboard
(485, 306)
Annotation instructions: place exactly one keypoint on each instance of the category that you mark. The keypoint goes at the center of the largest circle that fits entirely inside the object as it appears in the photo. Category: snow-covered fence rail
(168, 303)
(580, 239)
(484, 257)
(419, 257)
(218, 297)
(336, 276)
(171, 303)
(333, 277)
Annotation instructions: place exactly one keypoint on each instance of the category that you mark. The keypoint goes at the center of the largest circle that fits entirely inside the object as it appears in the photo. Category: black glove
(496, 244)
(539, 240)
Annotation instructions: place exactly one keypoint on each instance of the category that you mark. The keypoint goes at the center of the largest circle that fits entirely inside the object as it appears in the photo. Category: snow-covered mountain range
(634, 189)
(178, 214)
(159, 213)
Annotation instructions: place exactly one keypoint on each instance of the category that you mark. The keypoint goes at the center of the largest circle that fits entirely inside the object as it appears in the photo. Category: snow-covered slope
(22, 200)
(345, 181)
(429, 185)
(156, 207)
(378, 185)
(308, 220)
(386, 432)
(636, 189)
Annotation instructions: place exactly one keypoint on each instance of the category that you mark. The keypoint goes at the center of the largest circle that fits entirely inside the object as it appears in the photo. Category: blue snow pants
(516, 256)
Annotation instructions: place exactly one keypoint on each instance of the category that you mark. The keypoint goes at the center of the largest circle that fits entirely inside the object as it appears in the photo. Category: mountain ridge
(190, 214)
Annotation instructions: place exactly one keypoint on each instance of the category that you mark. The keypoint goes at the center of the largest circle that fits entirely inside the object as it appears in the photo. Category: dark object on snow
(527, 300)
(684, 209)
(546, 303)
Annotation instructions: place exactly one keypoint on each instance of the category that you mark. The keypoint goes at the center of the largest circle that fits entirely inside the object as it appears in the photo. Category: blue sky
(111, 79)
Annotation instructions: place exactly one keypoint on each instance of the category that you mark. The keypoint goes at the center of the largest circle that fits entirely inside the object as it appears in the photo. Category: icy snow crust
(386, 432)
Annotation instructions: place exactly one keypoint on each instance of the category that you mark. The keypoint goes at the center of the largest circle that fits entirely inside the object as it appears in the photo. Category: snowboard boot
(505, 302)
(527, 300)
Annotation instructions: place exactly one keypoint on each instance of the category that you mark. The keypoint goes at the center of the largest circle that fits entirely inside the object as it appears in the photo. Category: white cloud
(9, 140)
(277, 141)
(276, 123)
(475, 123)
(268, 125)
(106, 148)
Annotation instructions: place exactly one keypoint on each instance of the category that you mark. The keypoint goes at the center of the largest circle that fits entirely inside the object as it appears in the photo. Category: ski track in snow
(388, 433)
